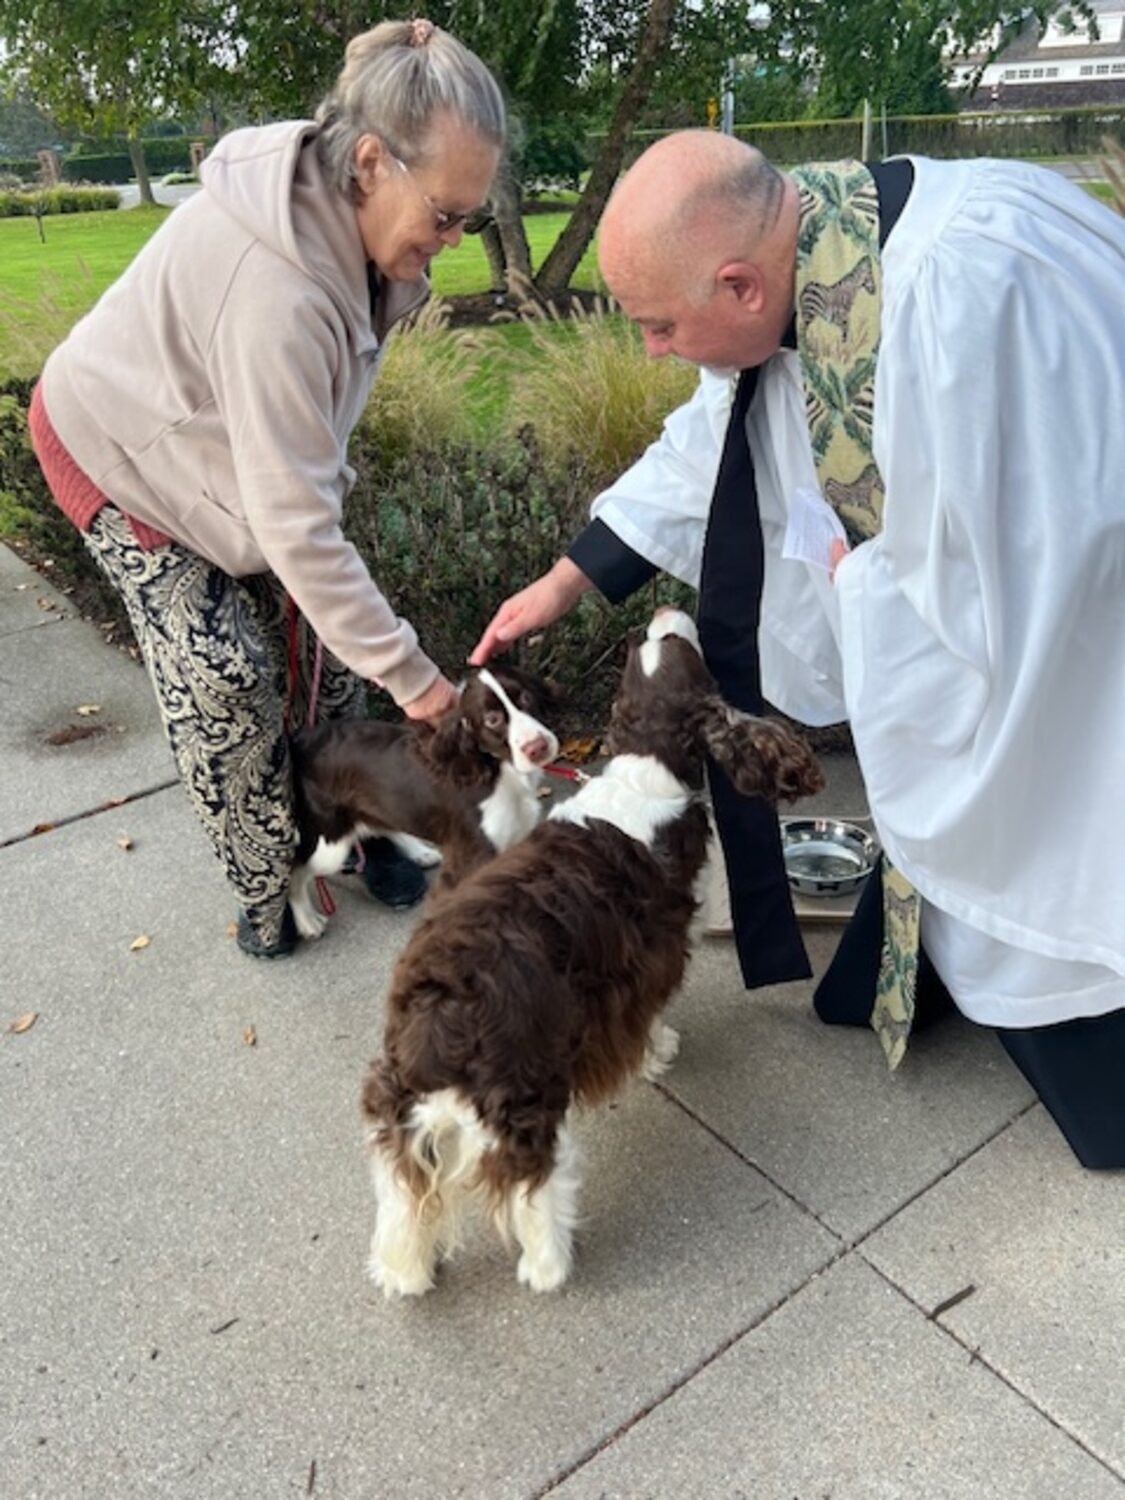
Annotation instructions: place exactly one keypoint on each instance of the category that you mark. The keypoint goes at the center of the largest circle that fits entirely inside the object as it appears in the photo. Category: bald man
(900, 488)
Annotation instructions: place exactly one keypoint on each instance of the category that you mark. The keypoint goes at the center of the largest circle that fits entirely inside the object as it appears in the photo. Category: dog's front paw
(660, 1053)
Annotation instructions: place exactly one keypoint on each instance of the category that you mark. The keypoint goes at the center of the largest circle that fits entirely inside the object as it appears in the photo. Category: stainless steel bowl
(826, 856)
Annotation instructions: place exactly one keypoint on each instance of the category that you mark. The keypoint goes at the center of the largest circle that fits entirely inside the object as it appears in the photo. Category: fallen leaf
(139, 942)
(232, 929)
(21, 586)
(124, 842)
(578, 750)
(70, 734)
(86, 709)
(43, 828)
(24, 1023)
(45, 603)
(250, 1037)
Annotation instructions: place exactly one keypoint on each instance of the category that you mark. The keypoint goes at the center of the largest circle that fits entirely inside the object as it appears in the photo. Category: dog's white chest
(510, 811)
(636, 793)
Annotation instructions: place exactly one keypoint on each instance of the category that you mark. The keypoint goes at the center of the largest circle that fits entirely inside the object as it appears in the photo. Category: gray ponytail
(395, 79)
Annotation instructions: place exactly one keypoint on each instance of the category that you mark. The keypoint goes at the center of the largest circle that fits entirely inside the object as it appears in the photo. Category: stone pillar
(50, 169)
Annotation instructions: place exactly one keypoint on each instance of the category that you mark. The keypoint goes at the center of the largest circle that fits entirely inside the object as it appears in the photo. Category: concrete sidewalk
(799, 1276)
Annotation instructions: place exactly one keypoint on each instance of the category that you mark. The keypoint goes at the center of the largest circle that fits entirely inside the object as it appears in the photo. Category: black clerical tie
(770, 949)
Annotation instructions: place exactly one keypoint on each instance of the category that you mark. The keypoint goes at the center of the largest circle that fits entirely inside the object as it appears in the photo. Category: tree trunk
(494, 249)
(561, 264)
(506, 205)
(140, 169)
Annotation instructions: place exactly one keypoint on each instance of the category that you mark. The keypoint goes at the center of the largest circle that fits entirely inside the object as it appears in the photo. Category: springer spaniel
(456, 793)
(537, 984)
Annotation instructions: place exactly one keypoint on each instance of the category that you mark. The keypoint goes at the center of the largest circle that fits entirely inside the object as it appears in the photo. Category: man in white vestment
(973, 635)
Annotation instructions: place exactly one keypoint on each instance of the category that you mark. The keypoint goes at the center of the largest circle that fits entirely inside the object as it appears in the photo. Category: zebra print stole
(837, 298)
(838, 292)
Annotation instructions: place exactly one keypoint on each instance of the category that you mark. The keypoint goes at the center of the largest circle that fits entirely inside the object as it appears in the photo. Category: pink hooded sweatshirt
(212, 390)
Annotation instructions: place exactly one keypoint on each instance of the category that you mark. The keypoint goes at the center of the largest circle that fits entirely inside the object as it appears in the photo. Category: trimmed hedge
(1065, 132)
(60, 200)
(111, 163)
(162, 154)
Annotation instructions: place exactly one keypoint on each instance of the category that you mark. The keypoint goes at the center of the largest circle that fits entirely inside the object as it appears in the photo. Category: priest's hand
(541, 603)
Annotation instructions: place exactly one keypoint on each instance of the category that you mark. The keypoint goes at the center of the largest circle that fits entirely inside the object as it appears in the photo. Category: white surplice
(977, 645)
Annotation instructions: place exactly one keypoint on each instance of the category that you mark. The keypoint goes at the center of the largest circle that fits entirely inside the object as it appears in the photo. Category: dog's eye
(494, 719)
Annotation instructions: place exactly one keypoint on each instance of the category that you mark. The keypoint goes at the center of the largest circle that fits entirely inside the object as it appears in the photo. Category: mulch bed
(494, 307)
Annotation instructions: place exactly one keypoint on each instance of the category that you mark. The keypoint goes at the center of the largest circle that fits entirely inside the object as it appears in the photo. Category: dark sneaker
(250, 943)
(390, 877)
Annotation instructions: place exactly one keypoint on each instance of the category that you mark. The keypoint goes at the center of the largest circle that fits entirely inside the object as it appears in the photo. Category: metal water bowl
(826, 856)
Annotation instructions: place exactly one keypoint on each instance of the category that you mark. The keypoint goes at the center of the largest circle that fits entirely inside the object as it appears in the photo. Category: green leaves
(106, 66)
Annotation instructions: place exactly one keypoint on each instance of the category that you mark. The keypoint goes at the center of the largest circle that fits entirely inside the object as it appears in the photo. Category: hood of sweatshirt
(269, 179)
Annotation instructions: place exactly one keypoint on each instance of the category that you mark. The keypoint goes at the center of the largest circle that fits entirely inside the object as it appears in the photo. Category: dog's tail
(446, 1143)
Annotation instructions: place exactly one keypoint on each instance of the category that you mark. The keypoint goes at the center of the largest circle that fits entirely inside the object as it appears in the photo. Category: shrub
(32, 523)
(591, 392)
(58, 200)
(447, 526)
(450, 532)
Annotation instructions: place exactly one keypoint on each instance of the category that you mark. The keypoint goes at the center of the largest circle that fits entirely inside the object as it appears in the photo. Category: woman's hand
(434, 703)
(541, 603)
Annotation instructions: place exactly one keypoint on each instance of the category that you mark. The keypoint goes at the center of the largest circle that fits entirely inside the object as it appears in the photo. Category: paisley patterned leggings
(217, 651)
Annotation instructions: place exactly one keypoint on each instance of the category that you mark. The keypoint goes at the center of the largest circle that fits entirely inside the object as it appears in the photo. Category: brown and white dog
(456, 794)
(537, 984)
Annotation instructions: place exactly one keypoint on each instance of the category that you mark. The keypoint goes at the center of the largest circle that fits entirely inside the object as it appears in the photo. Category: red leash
(569, 773)
(327, 905)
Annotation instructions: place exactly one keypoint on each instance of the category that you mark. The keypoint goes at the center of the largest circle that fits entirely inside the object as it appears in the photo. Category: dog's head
(496, 720)
(670, 706)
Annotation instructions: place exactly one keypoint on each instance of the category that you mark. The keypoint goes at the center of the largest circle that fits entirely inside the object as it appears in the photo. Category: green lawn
(47, 286)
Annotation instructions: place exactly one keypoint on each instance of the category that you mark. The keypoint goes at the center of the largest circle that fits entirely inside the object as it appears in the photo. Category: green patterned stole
(837, 299)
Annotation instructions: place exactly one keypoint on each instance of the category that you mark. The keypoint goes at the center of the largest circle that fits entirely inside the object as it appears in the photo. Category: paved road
(168, 196)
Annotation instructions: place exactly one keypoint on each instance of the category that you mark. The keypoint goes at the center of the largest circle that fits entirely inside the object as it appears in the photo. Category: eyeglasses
(444, 219)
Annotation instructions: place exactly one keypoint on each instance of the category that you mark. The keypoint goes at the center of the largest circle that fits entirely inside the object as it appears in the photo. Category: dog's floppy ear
(450, 750)
(762, 757)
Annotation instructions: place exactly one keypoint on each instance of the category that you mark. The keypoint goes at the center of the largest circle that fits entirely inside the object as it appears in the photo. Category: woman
(194, 425)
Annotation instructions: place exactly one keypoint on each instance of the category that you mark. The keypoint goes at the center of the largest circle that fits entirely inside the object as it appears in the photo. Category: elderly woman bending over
(194, 425)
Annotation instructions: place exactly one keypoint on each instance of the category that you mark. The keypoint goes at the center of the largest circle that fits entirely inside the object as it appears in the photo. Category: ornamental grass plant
(587, 387)
(419, 399)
